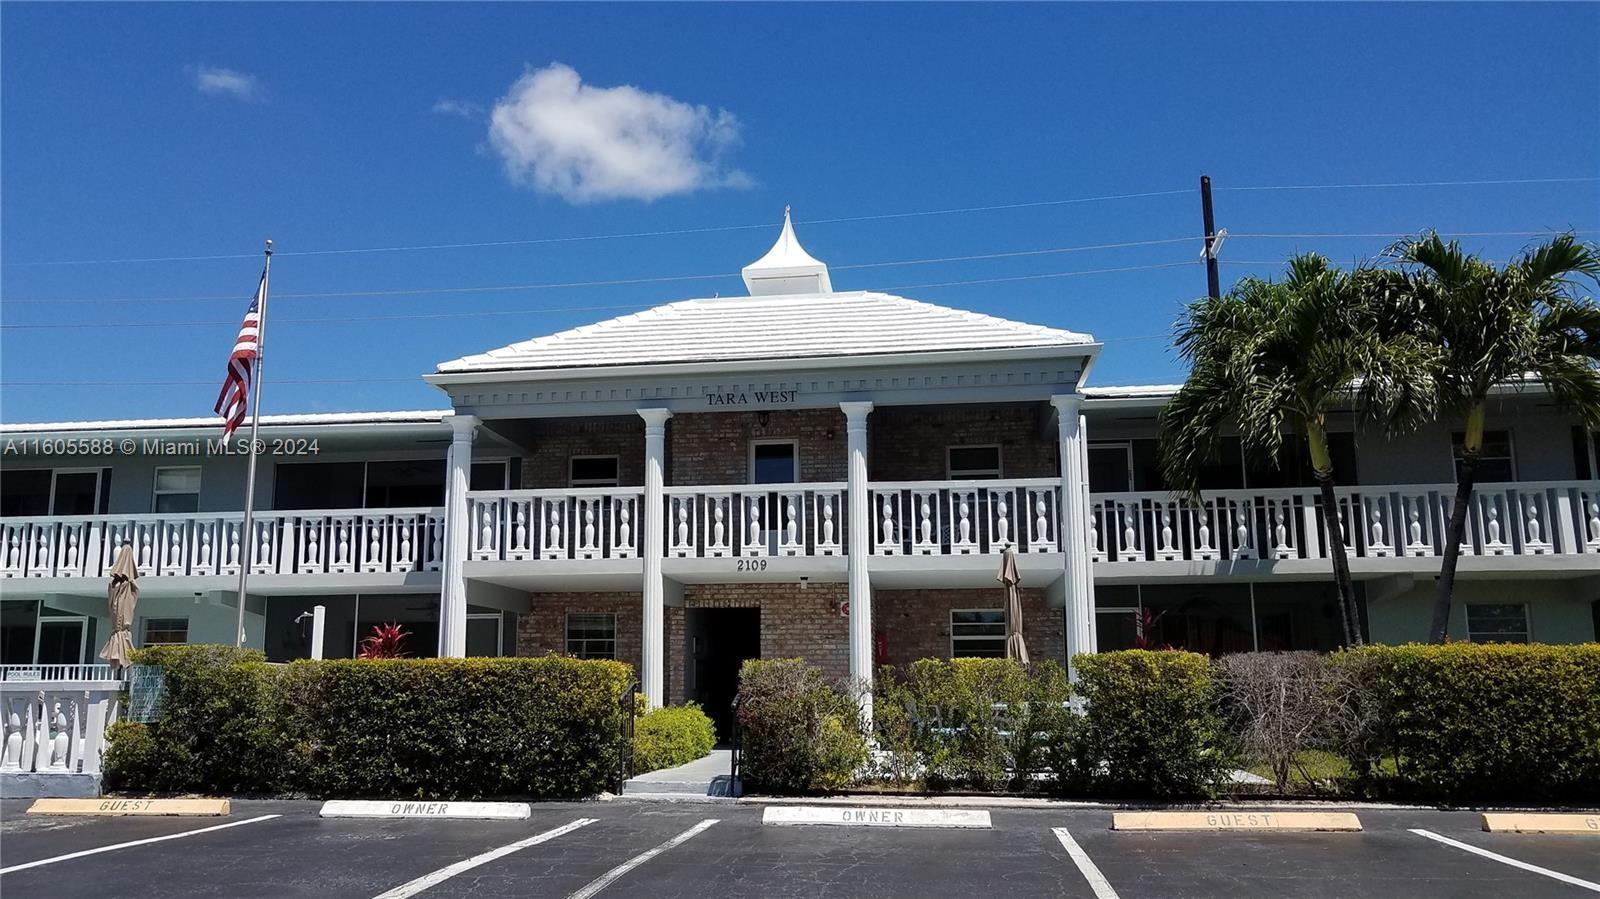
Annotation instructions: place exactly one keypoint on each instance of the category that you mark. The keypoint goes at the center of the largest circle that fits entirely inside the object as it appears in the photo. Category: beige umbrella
(1016, 647)
(123, 595)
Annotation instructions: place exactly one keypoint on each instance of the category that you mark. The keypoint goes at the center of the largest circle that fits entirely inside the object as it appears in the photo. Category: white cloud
(459, 108)
(215, 82)
(586, 143)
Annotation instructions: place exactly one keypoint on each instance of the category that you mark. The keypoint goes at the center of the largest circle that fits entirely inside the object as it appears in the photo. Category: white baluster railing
(1531, 518)
(199, 544)
(55, 726)
(802, 519)
(963, 517)
(551, 525)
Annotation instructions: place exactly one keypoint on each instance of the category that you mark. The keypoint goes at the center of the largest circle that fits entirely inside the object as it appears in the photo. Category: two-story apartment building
(794, 472)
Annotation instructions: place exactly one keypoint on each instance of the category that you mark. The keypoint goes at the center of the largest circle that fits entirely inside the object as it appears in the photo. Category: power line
(620, 236)
(614, 282)
(58, 326)
(1397, 184)
(828, 221)
(622, 282)
(368, 380)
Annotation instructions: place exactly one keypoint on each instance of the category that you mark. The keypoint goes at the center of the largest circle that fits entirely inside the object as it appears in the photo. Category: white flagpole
(248, 543)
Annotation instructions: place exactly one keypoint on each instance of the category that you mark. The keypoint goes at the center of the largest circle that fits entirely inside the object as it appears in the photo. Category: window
(592, 471)
(1495, 461)
(592, 635)
(774, 462)
(485, 634)
(1497, 622)
(25, 492)
(411, 483)
(501, 474)
(972, 463)
(1110, 467)
(161, 631)
(977, 633)
(177, 489)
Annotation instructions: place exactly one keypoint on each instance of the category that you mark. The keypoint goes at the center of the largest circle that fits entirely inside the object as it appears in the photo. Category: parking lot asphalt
(625, 848)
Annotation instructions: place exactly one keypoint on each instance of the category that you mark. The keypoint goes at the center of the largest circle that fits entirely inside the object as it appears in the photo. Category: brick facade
(916, 623)
(714, 447)
(544, 630)
(556, 440)
(909, 443)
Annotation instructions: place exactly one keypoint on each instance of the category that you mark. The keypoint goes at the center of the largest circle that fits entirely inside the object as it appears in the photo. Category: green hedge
(978, 724)
(797, 733)
(671, 736)
(402, 728)
(1479, 722)
(220, 728)
(1151, 726)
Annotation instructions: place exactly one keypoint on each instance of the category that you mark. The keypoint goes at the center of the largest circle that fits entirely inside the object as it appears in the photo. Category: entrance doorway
(717, 642)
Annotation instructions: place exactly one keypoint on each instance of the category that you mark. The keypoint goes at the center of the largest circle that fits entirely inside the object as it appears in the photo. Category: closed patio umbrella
(122, 596)
(1016, 647)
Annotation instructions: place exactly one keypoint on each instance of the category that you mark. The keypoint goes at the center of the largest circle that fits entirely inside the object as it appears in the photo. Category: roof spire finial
(787, 268)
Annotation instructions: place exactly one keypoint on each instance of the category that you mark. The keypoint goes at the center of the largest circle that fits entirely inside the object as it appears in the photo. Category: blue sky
(139, 131)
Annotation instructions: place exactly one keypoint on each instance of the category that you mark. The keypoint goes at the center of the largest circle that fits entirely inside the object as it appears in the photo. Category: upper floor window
(177, 489)
(500, 474)
(970, 463)
(977, 633)
(593, 471)
(1497, 622)
(1496, 460)
(774, 461)
(58, 491)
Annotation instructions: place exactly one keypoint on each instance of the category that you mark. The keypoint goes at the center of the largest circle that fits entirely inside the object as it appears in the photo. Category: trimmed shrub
(1151, 727)
(459, 728)
(219, 729)
(671, 736)
(1479, 722)
(131, 757)
(797, 733)
(401, 728)
(981, 724)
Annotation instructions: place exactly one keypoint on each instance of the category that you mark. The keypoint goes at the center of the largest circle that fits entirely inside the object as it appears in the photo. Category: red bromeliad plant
(388, 641)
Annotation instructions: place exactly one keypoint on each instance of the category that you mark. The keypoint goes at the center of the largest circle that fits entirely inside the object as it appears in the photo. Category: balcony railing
(54, 726)
(310, 542)
(1515, 519)
(805, 519)
(578, 523)
(961, 517)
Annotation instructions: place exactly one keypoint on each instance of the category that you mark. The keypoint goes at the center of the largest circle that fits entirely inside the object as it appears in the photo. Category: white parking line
(606, 879)
(1505, 860)
(1091, 871)
(131, 843)
(414, 887)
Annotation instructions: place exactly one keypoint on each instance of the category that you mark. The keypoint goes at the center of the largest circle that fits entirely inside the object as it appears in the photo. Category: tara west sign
(752, 398)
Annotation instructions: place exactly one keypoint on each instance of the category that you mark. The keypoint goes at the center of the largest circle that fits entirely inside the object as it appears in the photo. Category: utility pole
(1212, 287)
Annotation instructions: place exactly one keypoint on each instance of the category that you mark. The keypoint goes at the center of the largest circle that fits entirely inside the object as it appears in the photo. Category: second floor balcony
(1518, 525)
(299, 543)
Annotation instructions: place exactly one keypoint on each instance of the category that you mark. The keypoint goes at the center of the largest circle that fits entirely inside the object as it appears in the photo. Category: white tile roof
(855, 323)
(290, 420)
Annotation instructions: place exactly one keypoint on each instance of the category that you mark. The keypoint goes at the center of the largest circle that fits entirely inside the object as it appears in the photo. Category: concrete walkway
(700, 779)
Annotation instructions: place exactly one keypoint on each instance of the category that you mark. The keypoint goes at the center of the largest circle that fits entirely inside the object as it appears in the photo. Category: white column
(319, 629)
(1074, 517)
(453, 593)
(857, 523)
(652, 679)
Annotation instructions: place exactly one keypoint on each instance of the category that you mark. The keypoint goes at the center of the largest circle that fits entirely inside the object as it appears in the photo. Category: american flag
(234, 400)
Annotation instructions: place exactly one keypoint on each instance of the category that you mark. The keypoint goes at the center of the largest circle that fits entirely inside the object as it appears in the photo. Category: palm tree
(1520, 324)
(1272, 358)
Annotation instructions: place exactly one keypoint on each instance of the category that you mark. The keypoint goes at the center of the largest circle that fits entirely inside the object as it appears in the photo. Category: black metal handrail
(630, 705)
(733, 773)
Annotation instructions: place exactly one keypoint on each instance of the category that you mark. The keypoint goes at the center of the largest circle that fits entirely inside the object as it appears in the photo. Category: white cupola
(786, 269)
